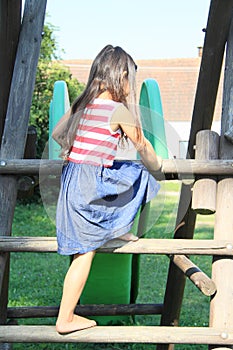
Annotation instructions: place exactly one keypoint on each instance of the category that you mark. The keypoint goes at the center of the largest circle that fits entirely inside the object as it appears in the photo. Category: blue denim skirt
(97, 204)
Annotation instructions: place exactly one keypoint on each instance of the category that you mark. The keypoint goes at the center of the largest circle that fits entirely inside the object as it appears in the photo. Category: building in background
(177, 79)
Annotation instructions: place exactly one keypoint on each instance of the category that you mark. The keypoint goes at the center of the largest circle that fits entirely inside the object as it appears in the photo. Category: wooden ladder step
(86, 310)
(118, 334)
(171, 167)
(142, 246)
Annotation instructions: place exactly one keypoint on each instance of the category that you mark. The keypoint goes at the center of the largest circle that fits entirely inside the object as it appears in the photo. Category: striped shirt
(95, 142)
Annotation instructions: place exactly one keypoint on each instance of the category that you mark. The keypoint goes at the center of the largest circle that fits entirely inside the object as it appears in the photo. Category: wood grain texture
(142, 246)
(118, 334)
(174, 168)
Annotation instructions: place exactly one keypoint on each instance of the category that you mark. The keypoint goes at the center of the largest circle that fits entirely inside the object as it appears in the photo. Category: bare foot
(76, 324)
(128, 237)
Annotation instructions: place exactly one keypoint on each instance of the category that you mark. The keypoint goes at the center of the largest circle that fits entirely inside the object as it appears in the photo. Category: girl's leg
(74, 283)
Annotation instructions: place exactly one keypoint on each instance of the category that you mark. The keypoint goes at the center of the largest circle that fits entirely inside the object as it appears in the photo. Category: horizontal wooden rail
(118, 334)
(170, 166)
(86, 310)
(142, 246)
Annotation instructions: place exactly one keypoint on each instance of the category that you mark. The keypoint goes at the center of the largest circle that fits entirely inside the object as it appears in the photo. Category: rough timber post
(16, 122)
(221, 306)
(10, 22)
(204, 189)
(218, 25)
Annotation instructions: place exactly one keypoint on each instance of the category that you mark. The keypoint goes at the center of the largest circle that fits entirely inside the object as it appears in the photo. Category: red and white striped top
(95, 142)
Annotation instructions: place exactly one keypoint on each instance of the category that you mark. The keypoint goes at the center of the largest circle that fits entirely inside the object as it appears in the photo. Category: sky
(146, 29)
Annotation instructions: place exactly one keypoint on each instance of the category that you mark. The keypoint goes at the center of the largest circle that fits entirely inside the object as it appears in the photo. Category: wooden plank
(221, 306)
(219, 20)
(205, 188)
(2, 268)
(86, 310)
(198, 277)
(23, 80)
(218, 25)
(10, 22)
(176, 279)
(185, 223)
(174, 168)
(142, 246)
(118, 334)
(226, 147)
(4, 276)
(16, 121)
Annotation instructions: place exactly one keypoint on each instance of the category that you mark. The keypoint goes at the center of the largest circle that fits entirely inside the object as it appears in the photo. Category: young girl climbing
(100, 196)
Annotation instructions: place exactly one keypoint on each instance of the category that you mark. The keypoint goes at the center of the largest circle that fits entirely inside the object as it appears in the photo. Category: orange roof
(177, 79)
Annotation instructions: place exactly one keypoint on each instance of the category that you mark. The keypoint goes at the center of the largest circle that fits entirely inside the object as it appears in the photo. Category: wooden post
(211, 64)
(218, 25)
(26, 184)
(204, 189)
(16, 122)
(198, 277)
(10, 22)
(221, 306)
(30, 147)
(169, 171)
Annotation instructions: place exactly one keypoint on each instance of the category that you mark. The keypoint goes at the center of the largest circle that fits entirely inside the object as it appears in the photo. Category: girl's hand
(124, 119)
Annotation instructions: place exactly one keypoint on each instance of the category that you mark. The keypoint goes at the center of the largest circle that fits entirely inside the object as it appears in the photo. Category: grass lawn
(36, 278)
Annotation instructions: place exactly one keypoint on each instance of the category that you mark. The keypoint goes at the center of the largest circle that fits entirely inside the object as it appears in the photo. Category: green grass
(37, 278)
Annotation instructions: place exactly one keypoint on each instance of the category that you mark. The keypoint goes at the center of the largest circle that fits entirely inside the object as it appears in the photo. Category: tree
(49, 70)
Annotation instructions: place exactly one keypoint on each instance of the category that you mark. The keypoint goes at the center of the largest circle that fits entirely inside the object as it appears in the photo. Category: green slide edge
(58, 107)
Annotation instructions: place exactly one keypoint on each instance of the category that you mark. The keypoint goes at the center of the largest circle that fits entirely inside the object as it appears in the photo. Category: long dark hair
(109, 71)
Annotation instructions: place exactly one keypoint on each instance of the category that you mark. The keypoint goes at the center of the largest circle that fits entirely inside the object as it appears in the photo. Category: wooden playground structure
(210, 159)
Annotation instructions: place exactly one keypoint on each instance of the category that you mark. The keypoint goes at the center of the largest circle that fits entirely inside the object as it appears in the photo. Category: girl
(99, 197)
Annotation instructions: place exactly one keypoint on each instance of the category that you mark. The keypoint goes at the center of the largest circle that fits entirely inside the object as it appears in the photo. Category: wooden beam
(4, 281)
(86, 310)
(221, 306)
(118, 334)
(217, 30)
(23, 80)
(219, 20)
(10, 22)
(16, 121)
(176, 279)
(226, 147)
(172, 168)
(192, 271)
(142, 246)
(2, 269)
(205, 188)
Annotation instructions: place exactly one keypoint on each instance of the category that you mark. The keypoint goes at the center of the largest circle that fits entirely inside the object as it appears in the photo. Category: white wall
(177, 134)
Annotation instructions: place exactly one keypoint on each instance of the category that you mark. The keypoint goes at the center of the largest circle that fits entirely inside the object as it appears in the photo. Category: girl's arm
(60, 126)
(124, 119)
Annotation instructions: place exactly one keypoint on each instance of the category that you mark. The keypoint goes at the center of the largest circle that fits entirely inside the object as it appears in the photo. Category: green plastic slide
(58, 107)
(153, 126)
(152, 116)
